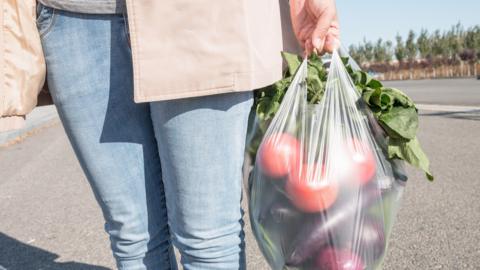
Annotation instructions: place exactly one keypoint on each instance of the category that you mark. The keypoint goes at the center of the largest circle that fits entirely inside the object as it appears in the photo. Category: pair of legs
(162, 172)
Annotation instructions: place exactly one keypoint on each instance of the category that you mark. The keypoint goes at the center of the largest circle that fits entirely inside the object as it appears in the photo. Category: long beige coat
(186, 48)
(180, 49)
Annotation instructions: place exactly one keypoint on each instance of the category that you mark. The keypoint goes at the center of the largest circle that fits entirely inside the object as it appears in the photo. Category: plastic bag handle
(337, 47)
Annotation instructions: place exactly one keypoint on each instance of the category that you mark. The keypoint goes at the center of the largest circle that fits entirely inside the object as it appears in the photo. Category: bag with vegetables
(325, 156)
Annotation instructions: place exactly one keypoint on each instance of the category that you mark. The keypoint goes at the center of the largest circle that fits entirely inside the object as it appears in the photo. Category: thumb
(321, 29)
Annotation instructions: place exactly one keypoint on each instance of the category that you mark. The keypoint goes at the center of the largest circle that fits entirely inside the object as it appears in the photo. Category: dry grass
(443, 71)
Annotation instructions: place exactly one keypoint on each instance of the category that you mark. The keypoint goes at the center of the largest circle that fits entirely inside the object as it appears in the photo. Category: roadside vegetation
(447, 54)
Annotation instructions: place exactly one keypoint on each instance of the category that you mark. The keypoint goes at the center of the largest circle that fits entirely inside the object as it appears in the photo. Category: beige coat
(180, 48)
(186, 48)
(22, 66)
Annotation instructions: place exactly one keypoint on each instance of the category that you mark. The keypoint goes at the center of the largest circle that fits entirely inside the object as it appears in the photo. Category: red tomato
(364, 163)
(310, 192)
(333, 259)
(278, 153)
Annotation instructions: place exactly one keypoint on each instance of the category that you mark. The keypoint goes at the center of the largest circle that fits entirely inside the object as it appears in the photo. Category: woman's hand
(315, 24)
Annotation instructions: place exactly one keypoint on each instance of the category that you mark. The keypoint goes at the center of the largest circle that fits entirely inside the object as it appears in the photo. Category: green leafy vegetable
(395, 112)
(410, 151)
(400, 122)
(293, 61)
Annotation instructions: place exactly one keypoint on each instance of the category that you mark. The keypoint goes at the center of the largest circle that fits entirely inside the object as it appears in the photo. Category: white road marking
(447, 108)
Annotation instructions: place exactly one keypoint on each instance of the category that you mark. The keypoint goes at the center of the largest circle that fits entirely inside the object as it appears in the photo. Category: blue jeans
(163, 172)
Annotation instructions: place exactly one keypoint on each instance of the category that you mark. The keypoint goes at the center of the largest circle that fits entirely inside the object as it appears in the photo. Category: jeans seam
(48, 29)
(126, 30)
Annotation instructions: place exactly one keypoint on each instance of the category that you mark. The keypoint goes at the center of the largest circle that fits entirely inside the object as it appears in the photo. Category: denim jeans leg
(201, 144)
(90, 79)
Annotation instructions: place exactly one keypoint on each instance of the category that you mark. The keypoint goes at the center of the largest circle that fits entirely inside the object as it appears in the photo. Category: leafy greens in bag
(394, 111)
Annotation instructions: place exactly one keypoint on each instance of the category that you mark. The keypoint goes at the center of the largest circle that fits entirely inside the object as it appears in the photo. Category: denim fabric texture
(163, 173)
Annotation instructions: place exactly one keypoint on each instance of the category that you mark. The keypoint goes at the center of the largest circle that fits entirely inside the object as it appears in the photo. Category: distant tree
(472, 39)
(423, 44)
(388, 51)
(361, 52)
(380, 52)
(411, 47)
(476, 33)
(368, 51)
(454, 39)
(355, 54)
(471, 47)
(400, 51)
(438, 45)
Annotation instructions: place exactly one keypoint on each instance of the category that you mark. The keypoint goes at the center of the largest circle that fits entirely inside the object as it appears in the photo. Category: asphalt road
(441, 91)
(49, 219)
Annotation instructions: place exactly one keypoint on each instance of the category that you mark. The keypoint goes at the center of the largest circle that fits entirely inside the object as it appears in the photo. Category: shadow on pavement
(15, 255)
(466, 115)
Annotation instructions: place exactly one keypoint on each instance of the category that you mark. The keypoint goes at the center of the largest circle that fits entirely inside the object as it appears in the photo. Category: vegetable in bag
(393, 110)
(324, 187)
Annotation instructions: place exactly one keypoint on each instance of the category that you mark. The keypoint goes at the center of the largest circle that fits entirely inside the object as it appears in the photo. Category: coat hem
(10, 123)
(243, 82)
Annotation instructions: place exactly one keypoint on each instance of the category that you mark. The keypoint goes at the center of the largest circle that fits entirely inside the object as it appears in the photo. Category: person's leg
(90, 79)
(201, 143)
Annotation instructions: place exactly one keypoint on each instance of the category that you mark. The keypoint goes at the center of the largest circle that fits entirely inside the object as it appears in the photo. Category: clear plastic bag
(322, 193)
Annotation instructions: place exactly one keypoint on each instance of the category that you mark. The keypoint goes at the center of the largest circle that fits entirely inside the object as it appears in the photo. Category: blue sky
(385, 18)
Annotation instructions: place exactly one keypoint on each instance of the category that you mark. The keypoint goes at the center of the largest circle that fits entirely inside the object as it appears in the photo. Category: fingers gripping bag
(322, 191)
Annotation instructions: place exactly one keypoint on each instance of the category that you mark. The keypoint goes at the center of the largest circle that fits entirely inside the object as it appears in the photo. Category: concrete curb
(447, 108)
(39, 118)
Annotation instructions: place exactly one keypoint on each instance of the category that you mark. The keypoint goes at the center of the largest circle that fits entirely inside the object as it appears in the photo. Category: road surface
(49, 219)
(441, 91)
